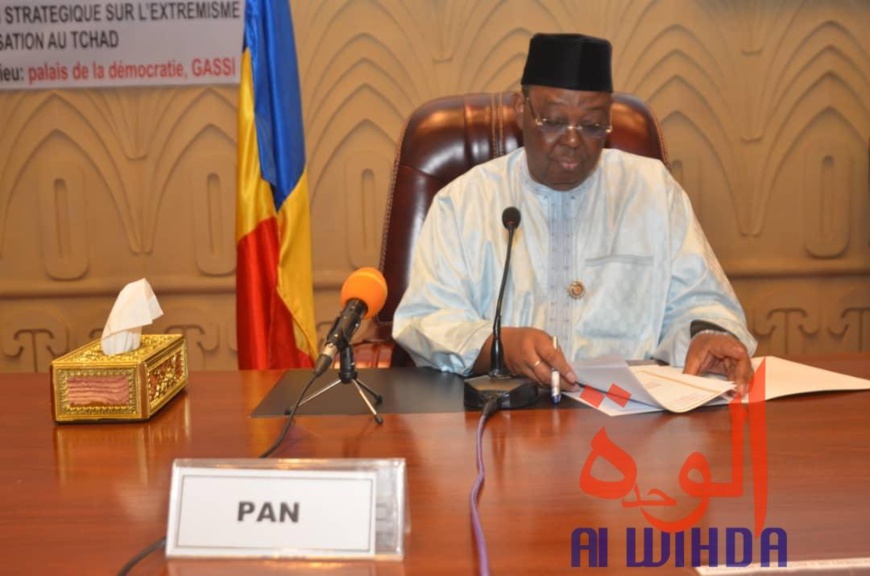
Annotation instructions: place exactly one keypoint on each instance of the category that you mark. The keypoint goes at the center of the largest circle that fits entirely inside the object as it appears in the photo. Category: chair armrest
(375, 347)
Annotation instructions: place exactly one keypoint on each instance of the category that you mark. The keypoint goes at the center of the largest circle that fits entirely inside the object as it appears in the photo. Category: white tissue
(135, 307)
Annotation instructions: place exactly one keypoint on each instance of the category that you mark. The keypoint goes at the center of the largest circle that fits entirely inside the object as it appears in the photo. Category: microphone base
(361, 389)
(512, 391)
(347, 374)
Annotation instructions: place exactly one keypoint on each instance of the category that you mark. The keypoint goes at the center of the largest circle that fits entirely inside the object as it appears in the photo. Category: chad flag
(274, 290)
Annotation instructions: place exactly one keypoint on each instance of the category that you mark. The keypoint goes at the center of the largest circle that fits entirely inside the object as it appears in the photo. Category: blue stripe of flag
(277, 99)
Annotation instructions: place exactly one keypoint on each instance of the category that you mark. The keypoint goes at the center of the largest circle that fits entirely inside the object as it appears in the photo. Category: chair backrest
(446, 137)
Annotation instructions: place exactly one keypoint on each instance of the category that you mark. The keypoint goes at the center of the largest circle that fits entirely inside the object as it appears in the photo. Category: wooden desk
(83, 499)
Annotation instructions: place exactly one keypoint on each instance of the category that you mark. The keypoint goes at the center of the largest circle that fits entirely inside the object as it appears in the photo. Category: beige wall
(764, 106)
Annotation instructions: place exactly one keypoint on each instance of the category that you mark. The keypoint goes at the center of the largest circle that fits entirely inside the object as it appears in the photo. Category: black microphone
(511, 220)
(363, 295)
(499, 388)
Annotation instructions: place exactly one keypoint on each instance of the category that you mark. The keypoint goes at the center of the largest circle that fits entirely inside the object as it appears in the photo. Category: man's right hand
(528, 352)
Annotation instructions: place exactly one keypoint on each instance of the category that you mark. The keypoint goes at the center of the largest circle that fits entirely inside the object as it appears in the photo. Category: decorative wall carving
(825, 197)
(784, 321)
(763, 104)
(849, 321)
(202, 331)
(31, 338)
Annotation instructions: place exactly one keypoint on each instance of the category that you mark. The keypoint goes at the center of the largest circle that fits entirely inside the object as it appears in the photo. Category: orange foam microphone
(367, 285)
(363, 295)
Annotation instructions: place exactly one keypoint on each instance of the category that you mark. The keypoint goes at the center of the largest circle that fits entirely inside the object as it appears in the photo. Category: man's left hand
(720, 354)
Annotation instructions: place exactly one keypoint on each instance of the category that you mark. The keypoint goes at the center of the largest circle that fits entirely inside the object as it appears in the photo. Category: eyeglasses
(560, 127)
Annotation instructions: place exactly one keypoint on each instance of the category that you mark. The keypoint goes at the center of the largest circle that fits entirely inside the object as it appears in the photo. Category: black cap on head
(570, 61)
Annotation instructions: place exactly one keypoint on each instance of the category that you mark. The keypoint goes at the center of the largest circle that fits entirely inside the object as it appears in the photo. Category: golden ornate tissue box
(89, 386)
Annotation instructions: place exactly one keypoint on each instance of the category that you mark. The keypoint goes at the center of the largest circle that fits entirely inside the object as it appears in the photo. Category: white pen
(555, 389)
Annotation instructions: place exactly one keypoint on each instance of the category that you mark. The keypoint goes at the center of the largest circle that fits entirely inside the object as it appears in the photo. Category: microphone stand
(499, 385)
(347, 374)
(497, 368)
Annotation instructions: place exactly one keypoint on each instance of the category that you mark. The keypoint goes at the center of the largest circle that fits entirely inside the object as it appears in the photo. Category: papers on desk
(611, 386)
(786, 378)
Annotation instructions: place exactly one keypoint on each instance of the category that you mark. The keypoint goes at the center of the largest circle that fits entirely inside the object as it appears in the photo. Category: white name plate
(339, 508)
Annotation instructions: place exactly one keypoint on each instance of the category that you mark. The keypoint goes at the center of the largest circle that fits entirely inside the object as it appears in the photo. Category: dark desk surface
(83, 499)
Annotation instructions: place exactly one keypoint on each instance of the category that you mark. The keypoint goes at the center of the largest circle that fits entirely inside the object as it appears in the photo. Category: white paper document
(787, 378)
(615, 388)
(678, 392)
(611, 386)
